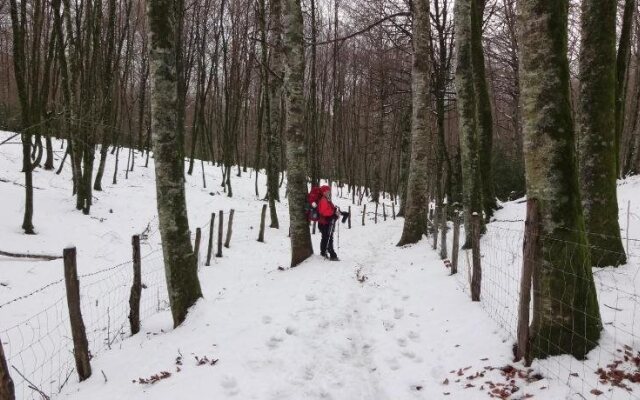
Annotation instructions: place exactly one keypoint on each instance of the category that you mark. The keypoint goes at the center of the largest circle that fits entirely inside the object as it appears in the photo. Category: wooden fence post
(210, 246)
(262, 218)
(476, 278)
(364, 212)
(384, 212)
(443, 232)
(78, 332)
(220, 228)
(434, 227)
(455, 247)
(227, 242)
(136, 287)
(7, 391)
(313, 228)
(531, 258)
(196, 246)
(349, 218)
(375, 216)
(393, 210)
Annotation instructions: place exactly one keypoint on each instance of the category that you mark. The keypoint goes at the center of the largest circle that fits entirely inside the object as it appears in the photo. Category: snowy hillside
(384, 323)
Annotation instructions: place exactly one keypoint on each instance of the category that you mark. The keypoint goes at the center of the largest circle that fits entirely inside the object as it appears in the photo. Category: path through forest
(383, 323)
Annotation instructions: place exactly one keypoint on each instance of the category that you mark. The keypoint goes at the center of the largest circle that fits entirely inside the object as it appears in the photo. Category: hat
(325, 189)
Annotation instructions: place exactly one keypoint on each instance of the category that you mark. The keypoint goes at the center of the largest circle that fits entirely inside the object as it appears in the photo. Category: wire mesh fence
(39, 346)
(603, 334)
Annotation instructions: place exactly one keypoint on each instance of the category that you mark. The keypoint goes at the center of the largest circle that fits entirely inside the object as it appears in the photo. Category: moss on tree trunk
(296, 153)
(181, 267)
(566, 318)
(416, 203)
(275, 110)
(596, 142)
(483, 109)
(468, 123)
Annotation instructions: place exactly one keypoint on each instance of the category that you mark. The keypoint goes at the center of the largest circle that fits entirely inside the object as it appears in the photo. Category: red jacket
(327, 211)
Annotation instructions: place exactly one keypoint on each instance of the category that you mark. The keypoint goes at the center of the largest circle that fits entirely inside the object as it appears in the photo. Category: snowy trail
(312, 332)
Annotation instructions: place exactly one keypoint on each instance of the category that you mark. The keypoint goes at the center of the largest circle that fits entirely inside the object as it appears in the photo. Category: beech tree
(180, 261)
(416, 203)
(467, 117)
(301, 247)
(596, 144)
(566, 317)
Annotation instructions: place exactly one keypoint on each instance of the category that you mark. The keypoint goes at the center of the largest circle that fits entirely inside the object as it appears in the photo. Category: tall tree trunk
(468, 124)
(48, 163)
(275, 116)
(181, 267)
(566, 318)
(18, 24)
(596, 141)
(416, 207)
(405, 160)
(483, 109)
(622, 63)
(301, 248)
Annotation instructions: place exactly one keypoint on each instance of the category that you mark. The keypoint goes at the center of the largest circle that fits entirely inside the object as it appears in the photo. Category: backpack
(311, 206)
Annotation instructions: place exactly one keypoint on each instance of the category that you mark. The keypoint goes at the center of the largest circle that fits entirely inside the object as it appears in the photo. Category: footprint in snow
(393, 364)
(291, 330)
(412, 356)
(415, 336)
(388, 325)
(402, 342)
(398, 313)
(311, 297)
(230, 385)
(274, 342)
(266, 319)
(308, 373)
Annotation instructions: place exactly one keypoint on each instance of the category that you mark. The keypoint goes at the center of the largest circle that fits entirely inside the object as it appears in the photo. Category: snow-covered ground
(383, 323)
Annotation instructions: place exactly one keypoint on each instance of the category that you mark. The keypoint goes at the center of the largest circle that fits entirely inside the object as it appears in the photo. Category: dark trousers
(326, 244)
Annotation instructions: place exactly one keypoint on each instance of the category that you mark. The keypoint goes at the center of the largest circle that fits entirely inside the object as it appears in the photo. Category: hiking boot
(323, 255)
(334, 258)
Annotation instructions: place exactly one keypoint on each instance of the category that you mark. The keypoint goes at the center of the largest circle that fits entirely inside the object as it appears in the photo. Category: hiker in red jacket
(328, 213)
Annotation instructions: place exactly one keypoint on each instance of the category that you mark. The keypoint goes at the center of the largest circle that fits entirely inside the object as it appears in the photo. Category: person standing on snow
(328, 214)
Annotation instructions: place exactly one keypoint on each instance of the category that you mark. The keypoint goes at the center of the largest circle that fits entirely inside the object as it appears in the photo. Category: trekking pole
(338, 235)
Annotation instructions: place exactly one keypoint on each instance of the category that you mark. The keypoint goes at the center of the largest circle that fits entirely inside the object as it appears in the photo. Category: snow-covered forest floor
(383, 323)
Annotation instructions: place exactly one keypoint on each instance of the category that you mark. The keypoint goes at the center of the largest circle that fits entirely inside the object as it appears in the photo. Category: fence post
(220, 228)
(434, 227)
(393, 210)
(531, 258)
(375, 215)
(136, 287)
(78, 332)
(227, 242)
(455, 246)
(262, 218)
(349, 218)
(443, 232)
(384, 212)
(364, 212)
(627, 231)
(313, 228)
(210, 246)
(476, 278)
(196, 246)
(6, 384)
